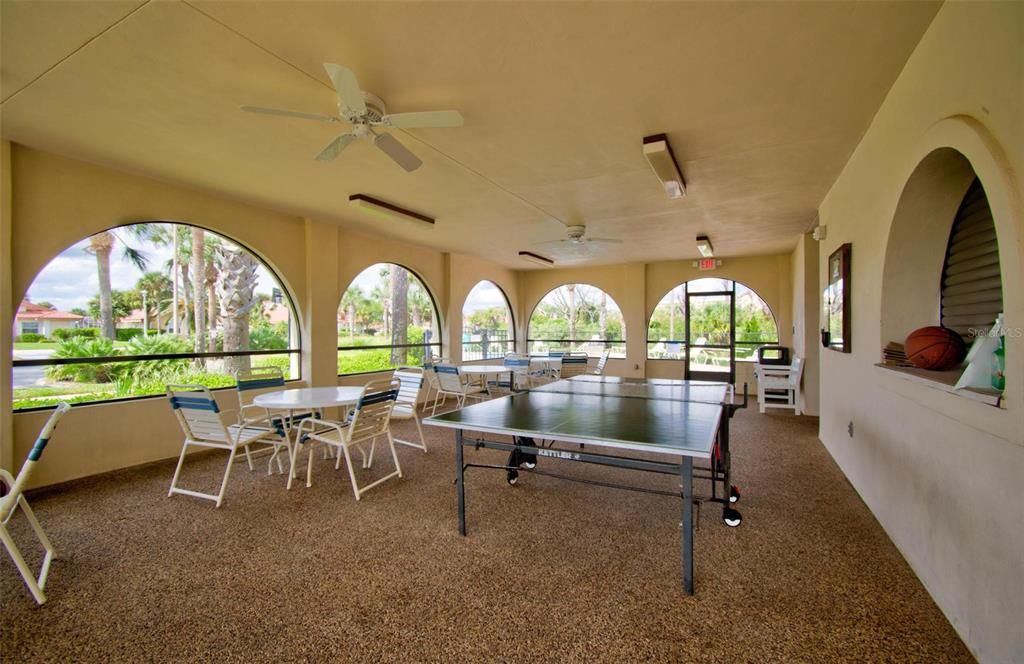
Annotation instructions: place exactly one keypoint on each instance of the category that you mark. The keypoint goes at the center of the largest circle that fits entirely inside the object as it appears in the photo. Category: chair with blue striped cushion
(451, 382)
(574, 364)
(252, 383)
(206, 426)
(518, 379)
(14, 486)
(411, 379)
(370, 420)
(599, 371)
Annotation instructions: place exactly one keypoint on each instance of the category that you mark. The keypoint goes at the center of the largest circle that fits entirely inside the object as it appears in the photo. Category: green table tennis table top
(678, 418)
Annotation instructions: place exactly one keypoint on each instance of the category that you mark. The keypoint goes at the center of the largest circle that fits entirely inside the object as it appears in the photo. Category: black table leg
(460, 481)
(686, 477)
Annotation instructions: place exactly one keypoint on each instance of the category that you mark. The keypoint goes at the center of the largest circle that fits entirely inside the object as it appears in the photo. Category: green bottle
(999, 365)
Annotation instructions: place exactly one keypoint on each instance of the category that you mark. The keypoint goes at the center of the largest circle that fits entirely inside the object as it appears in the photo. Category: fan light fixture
(704, 246)
(659, 155)
(536, 258)
(384, 209)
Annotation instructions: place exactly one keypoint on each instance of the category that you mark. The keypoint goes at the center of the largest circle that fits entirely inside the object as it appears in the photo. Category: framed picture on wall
(836, 301)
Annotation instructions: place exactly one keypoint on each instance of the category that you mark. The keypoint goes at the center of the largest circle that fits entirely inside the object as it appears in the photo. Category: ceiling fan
(366, 113)
(575, 245)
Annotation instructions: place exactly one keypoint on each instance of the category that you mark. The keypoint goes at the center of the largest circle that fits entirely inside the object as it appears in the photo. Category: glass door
(709, 336)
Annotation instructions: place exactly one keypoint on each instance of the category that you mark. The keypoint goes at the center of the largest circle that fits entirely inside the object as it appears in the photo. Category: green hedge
(68, 332)
(31, 338)
(128, 333)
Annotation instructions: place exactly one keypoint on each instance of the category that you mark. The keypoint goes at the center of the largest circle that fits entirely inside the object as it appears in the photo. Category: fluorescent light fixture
(659, 155)
(384, 209)
(536, 258)
(704, 246)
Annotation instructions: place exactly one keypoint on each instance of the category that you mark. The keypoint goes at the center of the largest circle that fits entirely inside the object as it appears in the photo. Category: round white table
(306, 398)
(484, 369)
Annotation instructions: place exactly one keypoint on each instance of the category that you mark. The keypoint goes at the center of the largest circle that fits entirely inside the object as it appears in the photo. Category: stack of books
(893, 355)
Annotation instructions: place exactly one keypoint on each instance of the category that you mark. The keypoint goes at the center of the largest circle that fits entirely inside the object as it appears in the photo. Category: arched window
(386, 318)
(488, 330)
(126, 311)
(577, 317)
(724, 314)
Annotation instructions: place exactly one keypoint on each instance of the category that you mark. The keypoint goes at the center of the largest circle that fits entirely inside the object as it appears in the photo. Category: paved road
(29, 376)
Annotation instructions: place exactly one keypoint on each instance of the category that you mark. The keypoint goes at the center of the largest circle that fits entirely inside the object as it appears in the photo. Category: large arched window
(125, 312)
(577, 317)
(386, 319)
(488, 330)
(715, 315)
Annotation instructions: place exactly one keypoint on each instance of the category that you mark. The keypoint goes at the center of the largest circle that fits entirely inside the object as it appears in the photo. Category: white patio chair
(15, 498)
(250, 384)
(452, 383)
(519, 377)
(206, 426)
(778, 386)
(411, 379)
(431, 379)
(369, 421)
(574, 364)
(599, 369)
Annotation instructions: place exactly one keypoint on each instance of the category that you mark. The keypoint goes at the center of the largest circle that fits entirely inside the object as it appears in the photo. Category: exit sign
(707, 264)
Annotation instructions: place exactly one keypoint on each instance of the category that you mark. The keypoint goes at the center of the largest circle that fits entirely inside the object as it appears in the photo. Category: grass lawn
(58, 390)
(21, 345)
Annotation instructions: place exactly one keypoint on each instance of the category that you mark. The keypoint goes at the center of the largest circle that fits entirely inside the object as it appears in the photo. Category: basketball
(935, 348)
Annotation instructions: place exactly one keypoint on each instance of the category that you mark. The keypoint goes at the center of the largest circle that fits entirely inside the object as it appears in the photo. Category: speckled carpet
(550, 571)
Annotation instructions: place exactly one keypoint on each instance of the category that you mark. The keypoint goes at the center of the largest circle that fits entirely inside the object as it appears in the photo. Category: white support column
(320, 308)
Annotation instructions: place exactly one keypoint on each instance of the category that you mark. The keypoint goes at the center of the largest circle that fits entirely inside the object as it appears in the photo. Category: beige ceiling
(763, 104)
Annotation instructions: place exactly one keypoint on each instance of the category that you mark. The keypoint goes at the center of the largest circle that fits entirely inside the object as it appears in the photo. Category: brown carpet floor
(550, 571)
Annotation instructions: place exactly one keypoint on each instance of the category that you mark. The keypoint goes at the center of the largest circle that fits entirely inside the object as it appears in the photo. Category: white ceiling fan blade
(331, 152)
(347, 86)
(423, 119)
(290, 114)
(602, 240)
(401, 155)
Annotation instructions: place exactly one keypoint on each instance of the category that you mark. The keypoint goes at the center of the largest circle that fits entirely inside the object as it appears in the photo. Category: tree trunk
(351, 321)
(235, 289)
(603, 315)
(101, 245)
(211, 303)
(571, 288)
(198, 282)
(399, 315)
(174, 280)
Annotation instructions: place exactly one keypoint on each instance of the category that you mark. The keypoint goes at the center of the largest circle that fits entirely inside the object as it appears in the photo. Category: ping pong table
(672, 422)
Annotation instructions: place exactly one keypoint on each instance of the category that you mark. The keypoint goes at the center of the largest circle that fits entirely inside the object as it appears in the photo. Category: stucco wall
(942, 473)
(806, 339)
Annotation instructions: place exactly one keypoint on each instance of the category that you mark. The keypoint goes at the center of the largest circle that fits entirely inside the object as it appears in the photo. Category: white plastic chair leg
(35, 584)
(177, 470)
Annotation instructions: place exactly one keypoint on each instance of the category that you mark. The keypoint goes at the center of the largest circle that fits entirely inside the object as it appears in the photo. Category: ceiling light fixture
(659, 155)
(536, 258)
(384, 209)
(704, 246)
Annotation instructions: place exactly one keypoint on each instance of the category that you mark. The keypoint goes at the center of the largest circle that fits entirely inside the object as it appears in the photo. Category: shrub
(357, 361)
(282, 362)
(31, 338)
(67, 332)
(128, 333)
(159, 344)
(268, 337)
(79, 347)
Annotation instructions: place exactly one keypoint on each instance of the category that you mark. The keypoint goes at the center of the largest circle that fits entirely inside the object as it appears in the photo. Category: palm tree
(399, 315)
(198, 267)
(101, 245)
(235, 289)
(158, 289)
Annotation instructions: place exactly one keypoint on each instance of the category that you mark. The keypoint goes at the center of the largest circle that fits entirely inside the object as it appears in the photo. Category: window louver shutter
(972, 291)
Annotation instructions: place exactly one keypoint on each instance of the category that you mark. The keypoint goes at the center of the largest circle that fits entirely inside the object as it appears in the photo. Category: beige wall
(806, 339)
(54, 202)
(942, 473)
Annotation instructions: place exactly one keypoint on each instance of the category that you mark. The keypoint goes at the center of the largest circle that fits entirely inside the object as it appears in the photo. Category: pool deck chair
(431, 379)
(574, 364)
(369, 421)
(451, 382)
(251, 384)
(518, 379)
(411, 379)
(206, 426)
(599, 370)
(778, 386)
(15, 498)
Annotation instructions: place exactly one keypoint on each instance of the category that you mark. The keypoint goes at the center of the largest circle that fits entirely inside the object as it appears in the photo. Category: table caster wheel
(512, 477)
(529, 465)
(731, 517)
(734, 494)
